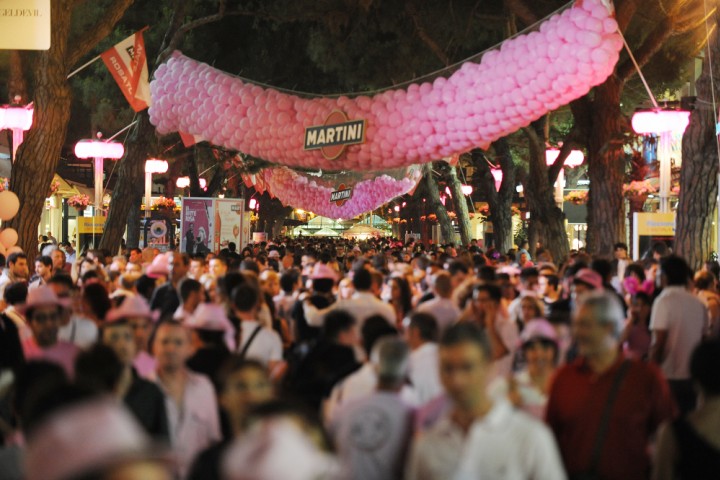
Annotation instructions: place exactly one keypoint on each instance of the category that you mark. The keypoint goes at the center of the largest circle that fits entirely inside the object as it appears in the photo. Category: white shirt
(80, 331)
(508, 331)
(265, 347)
(511, 445)
(443, 309)
(684, 317)
(361, 306)
(425, 373)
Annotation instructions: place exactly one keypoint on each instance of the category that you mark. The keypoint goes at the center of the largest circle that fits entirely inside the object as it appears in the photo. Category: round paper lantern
(8, 237)
(9, 205)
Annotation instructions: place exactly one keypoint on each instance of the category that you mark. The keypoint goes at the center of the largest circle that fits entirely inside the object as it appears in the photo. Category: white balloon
(8, 237)
(9, 205)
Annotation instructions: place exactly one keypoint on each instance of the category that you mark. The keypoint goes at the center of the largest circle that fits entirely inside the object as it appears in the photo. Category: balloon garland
(293, 188)
(528, 76)
(9, 206)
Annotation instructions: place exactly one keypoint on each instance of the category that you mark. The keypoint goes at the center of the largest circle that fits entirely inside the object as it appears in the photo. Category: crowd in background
(325, 358)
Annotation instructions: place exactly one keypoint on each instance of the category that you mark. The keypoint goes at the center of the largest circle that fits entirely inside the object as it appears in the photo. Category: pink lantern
(152, 165)
(658, 121)
(184, 182)
(18, 119)
(397, 208)
(498, 176)
(575, 159)
(252, 204)
(99, 150)
(466, 189)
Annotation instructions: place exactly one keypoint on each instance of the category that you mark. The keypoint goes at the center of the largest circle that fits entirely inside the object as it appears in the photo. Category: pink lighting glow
(13, 117)
(648, 122)
(156, 166)
(575, 159)
(467, 189)
(184, 182)
(99, 149)
(252, 204)
(498, 176)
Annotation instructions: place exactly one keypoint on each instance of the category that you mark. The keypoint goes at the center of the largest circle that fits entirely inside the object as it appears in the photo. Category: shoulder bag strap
(605, 419)
(250, 340)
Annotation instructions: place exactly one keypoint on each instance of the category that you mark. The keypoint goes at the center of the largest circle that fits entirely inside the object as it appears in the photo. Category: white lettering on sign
(328, 135)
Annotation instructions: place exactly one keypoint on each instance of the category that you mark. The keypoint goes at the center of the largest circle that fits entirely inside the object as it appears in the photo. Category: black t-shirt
(147, 402)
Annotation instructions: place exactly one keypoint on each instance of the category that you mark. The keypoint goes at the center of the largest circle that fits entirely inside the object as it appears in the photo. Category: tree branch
(652, 44)
(183, 29)
(522, 11)
(423, 35)
(88, 40)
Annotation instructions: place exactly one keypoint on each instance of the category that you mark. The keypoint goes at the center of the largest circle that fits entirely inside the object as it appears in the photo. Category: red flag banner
(127, 62)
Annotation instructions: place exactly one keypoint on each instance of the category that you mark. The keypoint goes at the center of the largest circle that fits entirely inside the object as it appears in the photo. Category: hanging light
(575, 159)
(184, 182)
(17, 118)
(645, 122)
(498, 176)
(99, 150)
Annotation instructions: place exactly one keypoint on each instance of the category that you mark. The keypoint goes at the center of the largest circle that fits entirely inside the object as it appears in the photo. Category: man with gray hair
(603, 407)
(373, 433)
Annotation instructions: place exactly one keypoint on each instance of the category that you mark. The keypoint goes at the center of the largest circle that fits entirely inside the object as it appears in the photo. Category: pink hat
(322, 270)
(538, 328)
(273, 254)
(159, 266)
(131, 307)
(209, 316)
(43, 296)
(70, 443)
(589, 277)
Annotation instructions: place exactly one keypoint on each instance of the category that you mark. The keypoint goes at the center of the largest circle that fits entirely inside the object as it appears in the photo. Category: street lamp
(99, 150)
(17, 118)
(152, 165)
(184, 182)
(664, 124)
(498, 176)
(575, 159)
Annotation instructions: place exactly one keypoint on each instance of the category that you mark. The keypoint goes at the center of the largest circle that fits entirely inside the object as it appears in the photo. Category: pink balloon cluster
(292, 188)
(528, 76)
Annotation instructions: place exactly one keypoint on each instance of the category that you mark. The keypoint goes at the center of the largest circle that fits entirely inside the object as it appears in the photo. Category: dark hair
(145, 286)
(98, 368)
(336, 322)
(704, 280)
(704, 363)
(33, 380)
(323, 285)
(465, 332)
(362, 279)
(637, 269)
(228, 283)
(52, 401)
(13, 257)
(644, 297)
(602, 266)
(620, 245)
(45, 260)
(233, 364)
(289, 279)
(456, 267)
(714, 267)
(96, 296)
(676, 270)
(250, 264)
(245, 297)
(660, 248)
(405, 293)
(553, 280)
(374, 328)
(16, 293)
(528, 272)
(491, 289)
(487, 273)
(188, 286)
(426, 325)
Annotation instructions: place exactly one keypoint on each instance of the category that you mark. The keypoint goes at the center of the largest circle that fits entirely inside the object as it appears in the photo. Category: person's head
(659, 250)
(529, 278)
(270, 282)
(442, 284)
(641, 306)
(217, 267)
(392, 354)
(620, 251)
(18, 266)
(704, 363)
(674, 271)
(135, 256)
(191, 292)
(58, 259)
(245, 300)
(712, 266)
(16, 293)
(586, 281)
(119, 336)
(341, 327)
(99, 368)
(458, 272)
(242, 385)
(44, 267)
(486, 295)
(464, 357)
(531, 308)
(362, 280)
(96, 299)
(539, 345)
(178, 265)
(705, 280)
(548, 285)
(290, 281)
(374, 328)
(603, 267)
(197, 267)
(596, 323)
(423, 328)
(171, 346)
(43, 313)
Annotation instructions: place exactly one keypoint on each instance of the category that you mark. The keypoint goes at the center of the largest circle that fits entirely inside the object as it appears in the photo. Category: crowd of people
(337, 359)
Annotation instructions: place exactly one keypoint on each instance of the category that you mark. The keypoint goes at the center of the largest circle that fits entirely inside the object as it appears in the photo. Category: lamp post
(575, 159)
(663, 123)
(17, 118)
(99, 150)
(152, 165)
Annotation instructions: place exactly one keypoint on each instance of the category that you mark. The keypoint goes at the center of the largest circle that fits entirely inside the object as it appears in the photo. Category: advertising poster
(229, 222)
(196, 230)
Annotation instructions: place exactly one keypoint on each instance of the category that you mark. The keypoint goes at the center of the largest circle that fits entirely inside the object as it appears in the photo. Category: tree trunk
(38, 156)
(17, 85)
(546, 218)
(435, 205)
(606, 168)
(461, 207)
(499, 201)
(699, 174)
(129, 188)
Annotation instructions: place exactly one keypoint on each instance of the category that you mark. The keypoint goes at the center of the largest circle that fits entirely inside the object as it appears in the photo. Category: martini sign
(335, 135)
(341, 195)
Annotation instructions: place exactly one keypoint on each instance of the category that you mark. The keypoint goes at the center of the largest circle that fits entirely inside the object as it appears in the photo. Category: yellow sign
(656, 224)
(24, 24)
(91, 224)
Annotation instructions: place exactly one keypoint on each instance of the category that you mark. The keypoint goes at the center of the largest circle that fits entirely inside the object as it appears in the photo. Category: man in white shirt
(43, 271)
(15, 271)
(191, 295)
(677, 323)
(361, 306)
(256, 342)
(480, 437)
(442, 307)
(422, 336)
